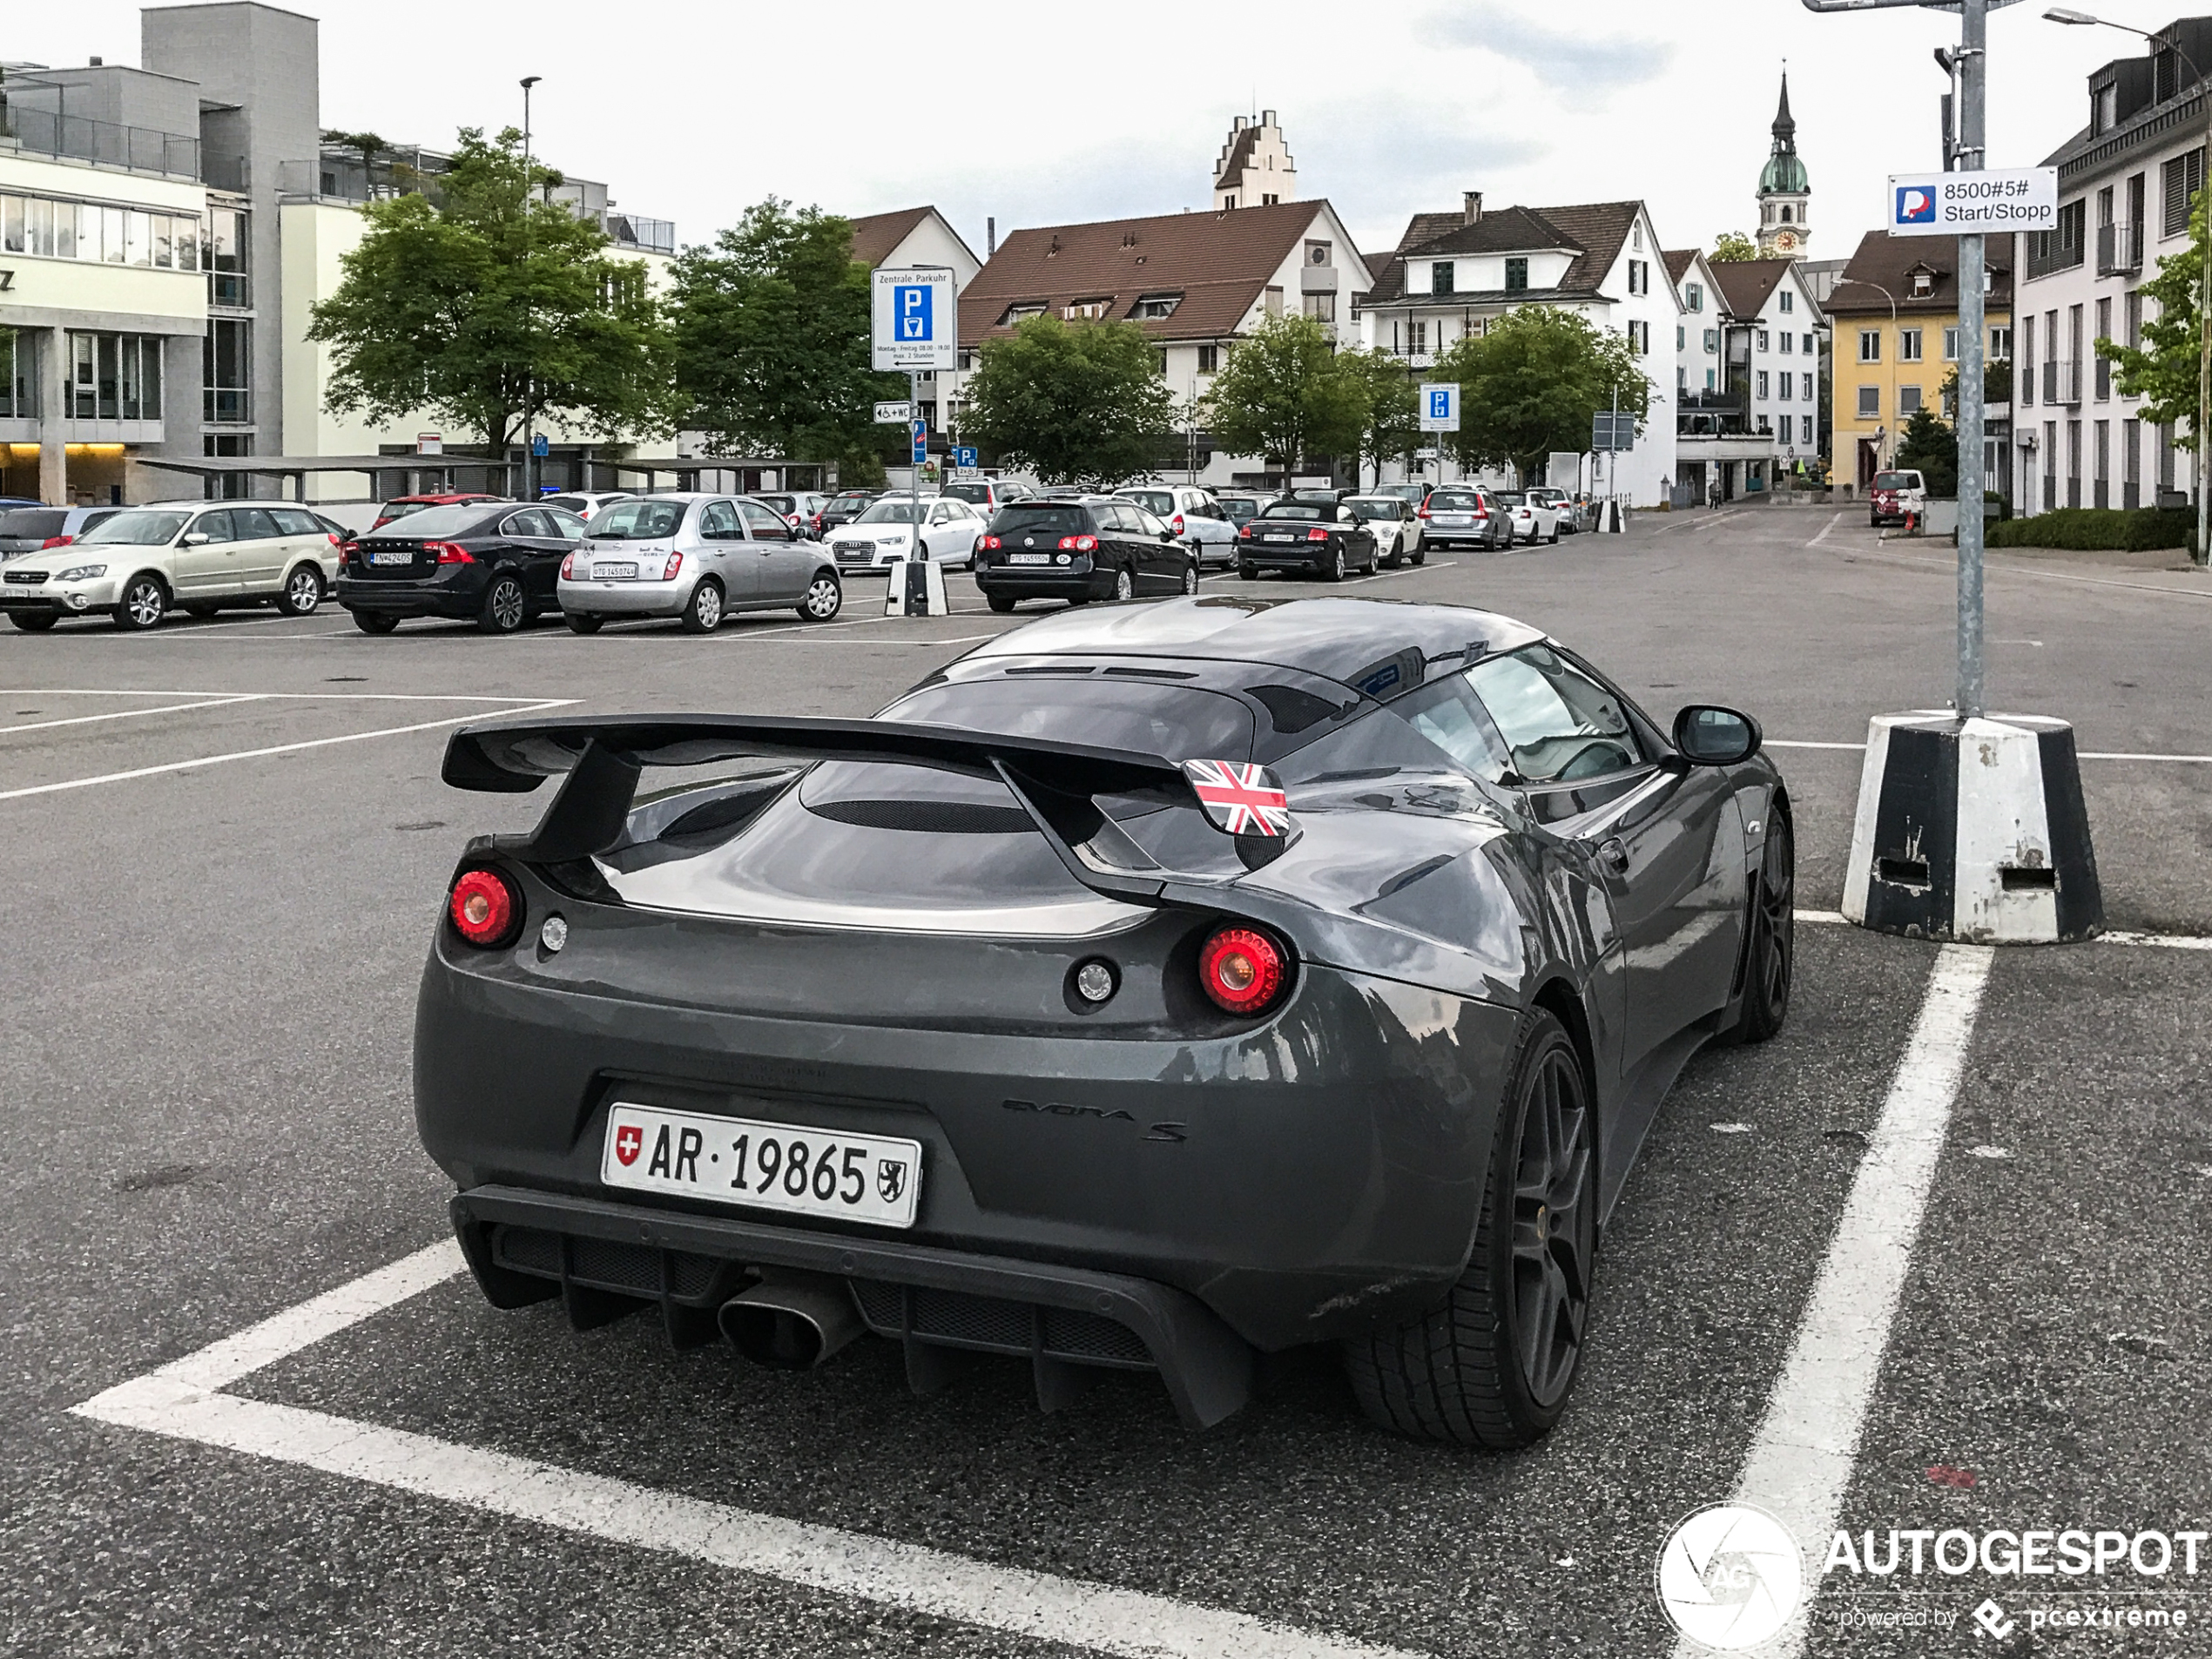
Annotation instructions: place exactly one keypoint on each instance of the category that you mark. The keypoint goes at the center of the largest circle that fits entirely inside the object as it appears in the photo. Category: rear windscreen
(1459, 503)
(1175, 722)
(1153, 500)
(27, 522)
(1024, 518)
(1292, 510)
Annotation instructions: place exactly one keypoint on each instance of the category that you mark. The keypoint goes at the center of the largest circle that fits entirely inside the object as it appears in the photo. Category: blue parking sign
(964, 454)
(1439, 404)
(912, 309)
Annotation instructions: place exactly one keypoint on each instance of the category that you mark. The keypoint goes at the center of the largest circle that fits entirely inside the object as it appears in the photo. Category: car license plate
(752, 1165)
(1028, 558)
(398, 555)
(1279, 538)
(1451, 518)
(605, 572)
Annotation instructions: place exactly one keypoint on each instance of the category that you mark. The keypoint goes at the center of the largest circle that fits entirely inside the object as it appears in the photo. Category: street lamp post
(2082, 19)
(529, 387)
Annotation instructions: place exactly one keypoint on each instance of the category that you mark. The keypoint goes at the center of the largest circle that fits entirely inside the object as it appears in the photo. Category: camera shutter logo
(1730, 1577)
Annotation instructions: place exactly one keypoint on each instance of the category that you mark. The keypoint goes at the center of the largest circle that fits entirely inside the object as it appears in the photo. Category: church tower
(1254, 168)
(1784, 192)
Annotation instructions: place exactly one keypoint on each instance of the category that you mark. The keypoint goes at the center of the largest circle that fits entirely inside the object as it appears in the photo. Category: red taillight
(1243, 532)
(675, 566)
(346, 550)
(1175, 524)
(1241, 970)
(1422, 513)
(332, 535)
(56, 541)
(568, 567)
(484, 908)
(382, 522)
(1079, 544)
(991, 543)
(448, 552)
(1317, 534)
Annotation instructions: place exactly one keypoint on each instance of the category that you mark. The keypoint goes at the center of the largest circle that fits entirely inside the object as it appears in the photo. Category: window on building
(1322, 308)
(1788, 341)
(1708, 380)
(1870, 403)
(1789, 300)
(1640, 338)
(1417, 337)
(2000, 344)
(1807, 394)
(1208, 359)
(227, 380)
(1516, 275)
(1908, 401)
(1269, 199)
(2178, 182)
(1712, 340)
(1908, 345)
(114, 377)
(1636, 284)
(1271, 301)
(1694, 296)
(1869, 345)
(1763, 338)
(2131, 314)
(1682, 337)
(1084, 310)
(1021, 314)
(224, 253)
(1949, 345)
(1440, 277)
(18, 378)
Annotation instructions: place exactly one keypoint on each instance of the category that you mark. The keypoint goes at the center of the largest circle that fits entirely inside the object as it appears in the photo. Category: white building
(1254, 168)
(1697, 335)
(1751, 369)
(1454, 273)
(2126, 185)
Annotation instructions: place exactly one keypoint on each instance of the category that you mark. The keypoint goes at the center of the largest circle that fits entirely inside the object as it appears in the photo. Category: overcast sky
(1046, 114)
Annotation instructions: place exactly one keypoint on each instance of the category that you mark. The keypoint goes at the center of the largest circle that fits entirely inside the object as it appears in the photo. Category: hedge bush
(2087, 529)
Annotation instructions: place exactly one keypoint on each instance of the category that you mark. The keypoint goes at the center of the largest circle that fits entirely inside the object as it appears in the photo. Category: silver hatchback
(694, 558)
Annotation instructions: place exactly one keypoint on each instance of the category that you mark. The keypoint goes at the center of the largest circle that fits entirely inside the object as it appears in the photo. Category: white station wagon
(196, 557)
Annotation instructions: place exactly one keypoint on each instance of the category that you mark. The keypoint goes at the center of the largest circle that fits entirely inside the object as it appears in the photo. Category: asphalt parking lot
(229, 845)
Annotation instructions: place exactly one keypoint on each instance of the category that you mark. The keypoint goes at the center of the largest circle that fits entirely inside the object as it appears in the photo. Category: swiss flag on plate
(630, 1140)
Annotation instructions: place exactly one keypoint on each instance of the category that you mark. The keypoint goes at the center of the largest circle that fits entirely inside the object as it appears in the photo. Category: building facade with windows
(1750, 366)
(1895, 316)
(1454, 273)
(2127, 185)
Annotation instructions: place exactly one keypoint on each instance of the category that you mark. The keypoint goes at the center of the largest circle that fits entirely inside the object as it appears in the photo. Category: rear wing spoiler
(1056, 783)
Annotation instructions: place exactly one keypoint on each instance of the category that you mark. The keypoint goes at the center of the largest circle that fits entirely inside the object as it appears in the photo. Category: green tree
(1080, 403)
(1932, 448)
(1391, 425)
(491, 305)
(1530, 385)
(769, 334)
(1284, 394)
(2163, 370)
(1996, 383)
(1733, 247)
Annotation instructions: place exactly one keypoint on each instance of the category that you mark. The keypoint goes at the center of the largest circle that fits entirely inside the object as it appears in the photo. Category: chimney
(97, 63)
(990, 238)
(1470, 206)
(1267, 118)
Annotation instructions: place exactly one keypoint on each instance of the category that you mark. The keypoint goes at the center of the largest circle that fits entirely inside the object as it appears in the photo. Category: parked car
(846, 506)
(1192, 514)
(1326, 538)
(802, 510)
(400, 506)
(696, 558)
(1415, 493)
(1533, 521)
(1145, 1095)
(584, 503)
(986, 496)
(950, 530)
(1094, 547)
(493, 564)
(1240, 510)
(1397, 528)
(36, 530)
(1464, 516)
(1573, 514)
(1316, 496)
(195, 555)
(1896, 496)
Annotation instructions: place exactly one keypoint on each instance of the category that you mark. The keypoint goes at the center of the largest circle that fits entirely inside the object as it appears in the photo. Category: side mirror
(193, 539)
(1709, 736)
(1167, 535)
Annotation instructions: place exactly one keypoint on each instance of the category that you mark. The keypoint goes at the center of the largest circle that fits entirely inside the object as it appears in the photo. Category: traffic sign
(917, 320)
(1610, 430)
(963, 454)
(893, 413)
(1439, 406)
(1970, 203)
(540, 448)
(918, 429)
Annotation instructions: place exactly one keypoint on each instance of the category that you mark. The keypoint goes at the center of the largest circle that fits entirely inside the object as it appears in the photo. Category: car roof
(1381, 646)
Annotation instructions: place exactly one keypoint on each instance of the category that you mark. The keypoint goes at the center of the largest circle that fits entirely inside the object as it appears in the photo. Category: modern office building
(166, 232)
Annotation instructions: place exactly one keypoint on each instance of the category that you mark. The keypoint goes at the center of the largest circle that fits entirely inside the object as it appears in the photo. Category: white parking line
(1800, 1462)
(2162, 941)
(274, 749)
(2083, 754)
(183, 1401)
(298, 697)
(128, 714)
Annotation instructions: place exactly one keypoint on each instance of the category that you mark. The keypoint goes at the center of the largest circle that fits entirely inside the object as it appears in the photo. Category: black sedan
(496, 564)
(1236, 976)
(1080, 548)
(846, 506)
(1326, 539)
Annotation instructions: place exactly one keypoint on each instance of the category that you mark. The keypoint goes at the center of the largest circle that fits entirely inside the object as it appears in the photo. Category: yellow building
(1895, 312)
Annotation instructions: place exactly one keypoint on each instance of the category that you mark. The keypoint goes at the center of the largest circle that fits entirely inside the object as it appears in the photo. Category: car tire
(1248, 573)
(301, 595)
(507, 606)
(1553, 539)
(33, 622)
(1124, 585)
(703, 611)
(1191, 577)
(1462, 1374)
(1001, 603)
(144, 604)
(1420, 555)
(825, 598)
(1334, 570)
(201, 613)
(374, 622)
(1770, 952)
(579, 623)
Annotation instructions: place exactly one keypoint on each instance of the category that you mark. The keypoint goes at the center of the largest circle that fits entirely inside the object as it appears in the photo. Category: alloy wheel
(708, 603)
(304, 592)
(1775, 926)
(824, 598)
(1191, 577)
(144, 602)
(1555, 1231)
(507, 604)
(1124, 585)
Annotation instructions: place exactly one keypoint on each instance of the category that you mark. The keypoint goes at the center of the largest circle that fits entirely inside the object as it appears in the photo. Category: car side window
(718, 522)
(765, 525)
(1558, 725)
(216, 527)
(567, 526)
(252, 525)
(1449, 716)
(295, 521)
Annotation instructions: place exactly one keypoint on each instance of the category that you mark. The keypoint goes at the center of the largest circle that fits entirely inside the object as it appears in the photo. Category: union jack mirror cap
(1240, 798)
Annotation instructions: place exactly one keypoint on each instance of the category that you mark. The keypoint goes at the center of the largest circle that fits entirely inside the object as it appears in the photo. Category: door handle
(1613, 852)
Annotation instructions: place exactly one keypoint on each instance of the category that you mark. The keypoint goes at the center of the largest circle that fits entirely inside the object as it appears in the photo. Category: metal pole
(916, 547)
(1972, 83)
(2203, 553)
(529, 411)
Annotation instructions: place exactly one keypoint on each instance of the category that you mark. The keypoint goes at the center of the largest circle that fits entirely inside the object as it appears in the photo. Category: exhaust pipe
(791, 1322)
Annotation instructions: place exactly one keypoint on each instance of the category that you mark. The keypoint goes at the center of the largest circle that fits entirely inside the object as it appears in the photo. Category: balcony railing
(109, 143)
(2119, 249)
(2061, 382)
(634, 229)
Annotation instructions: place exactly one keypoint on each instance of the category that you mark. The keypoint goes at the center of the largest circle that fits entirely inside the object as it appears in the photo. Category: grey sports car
(1149, 988)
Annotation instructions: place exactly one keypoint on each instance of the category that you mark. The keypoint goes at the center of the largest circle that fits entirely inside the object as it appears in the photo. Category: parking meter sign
(964, 454)
(1440, 403)
(916, 320)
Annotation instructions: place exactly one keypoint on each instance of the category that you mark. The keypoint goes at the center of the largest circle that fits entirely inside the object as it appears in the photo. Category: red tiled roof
(1886, 262)
(875, 236)
(1679, 260)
